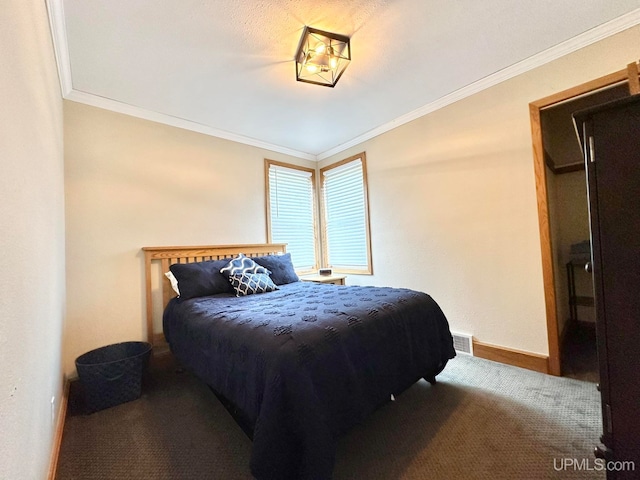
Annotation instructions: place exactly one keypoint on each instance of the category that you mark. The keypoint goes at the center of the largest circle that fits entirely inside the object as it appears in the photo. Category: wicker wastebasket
(113, 374)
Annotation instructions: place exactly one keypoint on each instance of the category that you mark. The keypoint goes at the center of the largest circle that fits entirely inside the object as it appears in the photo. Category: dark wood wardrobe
(610, 138)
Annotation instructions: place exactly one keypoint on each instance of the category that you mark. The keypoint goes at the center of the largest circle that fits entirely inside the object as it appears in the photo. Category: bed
(299, 365)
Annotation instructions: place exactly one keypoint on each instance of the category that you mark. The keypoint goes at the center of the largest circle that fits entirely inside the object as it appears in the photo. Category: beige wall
(453, 201)
(132, 183)
(572, 220)
(569, 224)
(32, 240)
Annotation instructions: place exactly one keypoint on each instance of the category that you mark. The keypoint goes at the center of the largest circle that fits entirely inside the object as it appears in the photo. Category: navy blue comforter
(307, 362)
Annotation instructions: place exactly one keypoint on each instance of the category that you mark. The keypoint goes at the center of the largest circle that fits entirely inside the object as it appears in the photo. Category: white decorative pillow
(242, 264)
(174, 282)
(251, 283)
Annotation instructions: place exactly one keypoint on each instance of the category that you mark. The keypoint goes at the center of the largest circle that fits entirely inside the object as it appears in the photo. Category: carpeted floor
(482, 420)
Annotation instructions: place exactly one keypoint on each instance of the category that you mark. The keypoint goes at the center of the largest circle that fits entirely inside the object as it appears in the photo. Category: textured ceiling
(228, 64)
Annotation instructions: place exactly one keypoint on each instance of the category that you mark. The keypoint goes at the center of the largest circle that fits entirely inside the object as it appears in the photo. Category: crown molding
(585, 39)
(55, 9)
(146, 114)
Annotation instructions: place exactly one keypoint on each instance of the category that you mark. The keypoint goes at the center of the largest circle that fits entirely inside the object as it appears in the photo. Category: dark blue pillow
(280, 266)
(200, 279)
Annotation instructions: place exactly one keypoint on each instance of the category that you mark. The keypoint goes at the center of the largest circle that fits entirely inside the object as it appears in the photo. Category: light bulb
(320, 48)
(333, 62)
(311, 68)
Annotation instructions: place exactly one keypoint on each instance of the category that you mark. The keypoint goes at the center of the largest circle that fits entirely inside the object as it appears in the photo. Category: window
(292, 204)
(291, 207)
(346, 243)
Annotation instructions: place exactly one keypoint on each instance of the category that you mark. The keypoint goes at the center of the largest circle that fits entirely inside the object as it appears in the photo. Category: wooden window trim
(363, 157)
(316, 244)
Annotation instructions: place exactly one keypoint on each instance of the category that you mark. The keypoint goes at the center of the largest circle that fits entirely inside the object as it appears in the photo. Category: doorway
(564, 307)
(569, 232)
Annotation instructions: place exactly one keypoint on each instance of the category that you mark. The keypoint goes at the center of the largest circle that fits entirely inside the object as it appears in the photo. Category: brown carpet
(483, 420)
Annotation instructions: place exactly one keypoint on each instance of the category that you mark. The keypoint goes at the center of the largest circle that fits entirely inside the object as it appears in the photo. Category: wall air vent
(463, 343)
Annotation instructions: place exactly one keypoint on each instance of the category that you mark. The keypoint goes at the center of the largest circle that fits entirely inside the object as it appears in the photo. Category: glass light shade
(322, 57)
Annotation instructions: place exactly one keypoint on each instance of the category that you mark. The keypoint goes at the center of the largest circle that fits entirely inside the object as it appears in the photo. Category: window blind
(292, 220)
(345, 217)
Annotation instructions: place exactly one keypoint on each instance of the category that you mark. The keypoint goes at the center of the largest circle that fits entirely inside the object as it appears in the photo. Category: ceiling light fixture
(322, 57)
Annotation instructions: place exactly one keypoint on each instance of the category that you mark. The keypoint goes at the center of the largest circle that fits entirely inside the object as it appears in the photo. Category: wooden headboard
(158, 289)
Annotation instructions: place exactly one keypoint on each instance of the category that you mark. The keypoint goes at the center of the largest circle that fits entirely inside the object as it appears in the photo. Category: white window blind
(346, 230)
(291, 206)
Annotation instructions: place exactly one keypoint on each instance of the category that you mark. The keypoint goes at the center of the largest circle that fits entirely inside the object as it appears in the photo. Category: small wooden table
(334, 279)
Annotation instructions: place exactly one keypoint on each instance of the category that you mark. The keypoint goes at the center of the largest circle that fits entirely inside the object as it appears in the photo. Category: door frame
(548, 272)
